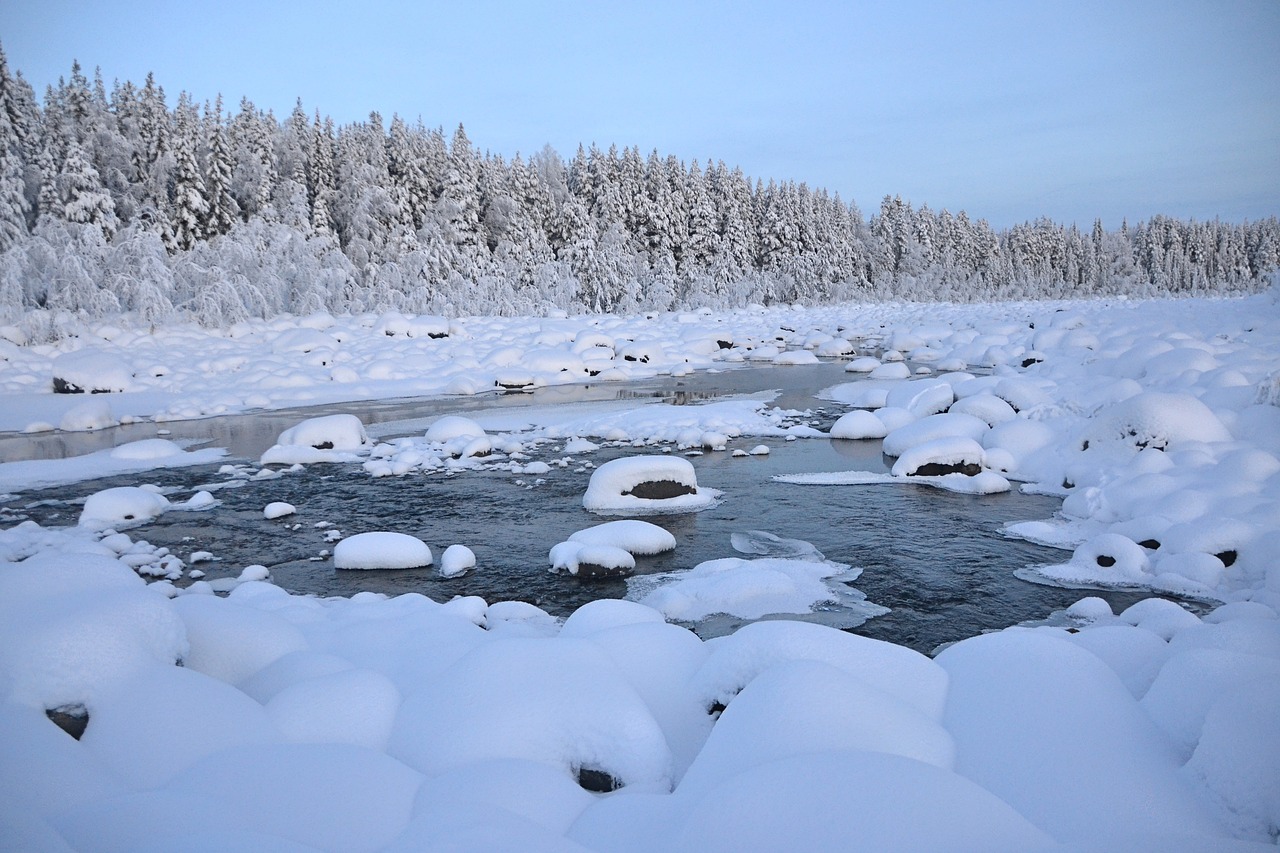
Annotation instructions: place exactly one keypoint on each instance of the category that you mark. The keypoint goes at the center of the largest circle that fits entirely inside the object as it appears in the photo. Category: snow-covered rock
(381, 550)
(640, 484)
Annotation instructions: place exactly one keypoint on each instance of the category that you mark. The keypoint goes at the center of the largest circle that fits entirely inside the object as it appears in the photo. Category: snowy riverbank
(369, 723)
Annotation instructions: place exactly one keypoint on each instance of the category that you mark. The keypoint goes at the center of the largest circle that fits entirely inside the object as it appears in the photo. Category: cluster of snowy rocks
(267, 721)
(140, 716)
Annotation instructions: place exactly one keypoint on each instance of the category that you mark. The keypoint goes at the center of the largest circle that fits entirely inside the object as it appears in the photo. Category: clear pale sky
(1008, 110)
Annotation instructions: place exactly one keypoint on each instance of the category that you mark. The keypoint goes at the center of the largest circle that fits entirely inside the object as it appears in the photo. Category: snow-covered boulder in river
(381, 550)
(646, 484)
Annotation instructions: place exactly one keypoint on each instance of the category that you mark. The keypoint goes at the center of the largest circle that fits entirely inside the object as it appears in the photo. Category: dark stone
(597, 572)
(1067, 484)
(1105, 561)
(62, 386)
(716, 709)
(435, 336)
(1085, 445)
(72, 719)
(598, 781)
(660, 490)
(1150, 544)
(725, 344)
(324, 445)
(1027, 362)
(512, 386)
(1227, 557)
(935, 469)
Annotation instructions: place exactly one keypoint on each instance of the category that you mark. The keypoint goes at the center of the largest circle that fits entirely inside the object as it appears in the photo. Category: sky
(1009, 111)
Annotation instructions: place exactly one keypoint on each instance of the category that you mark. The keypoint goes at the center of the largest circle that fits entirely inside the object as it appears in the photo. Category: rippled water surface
(933, 557)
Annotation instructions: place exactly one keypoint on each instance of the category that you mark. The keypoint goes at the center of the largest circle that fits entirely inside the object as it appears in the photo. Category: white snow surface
(611, 485)
(401, 723)
(381, 550)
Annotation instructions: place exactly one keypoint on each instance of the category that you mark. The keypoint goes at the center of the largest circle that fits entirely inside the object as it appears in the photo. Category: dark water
(933, 557)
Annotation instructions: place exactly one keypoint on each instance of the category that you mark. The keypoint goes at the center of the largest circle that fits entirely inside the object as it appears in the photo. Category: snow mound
(939, 456)
(278, 509)
(381, 550)
(91, 370)
(563, 704)
(640, 538)
(591, 560)
(931, 427)
(638, 484)
(72, 626)
(122, 506)
(456, 561)
(1156, 419)
(451, 427)
(858, 425)
(330, 432)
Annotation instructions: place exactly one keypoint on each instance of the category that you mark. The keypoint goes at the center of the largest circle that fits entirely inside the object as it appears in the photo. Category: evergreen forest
(118, 201)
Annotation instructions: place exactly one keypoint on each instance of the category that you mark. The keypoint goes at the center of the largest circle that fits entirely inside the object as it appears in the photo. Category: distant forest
(115, 201)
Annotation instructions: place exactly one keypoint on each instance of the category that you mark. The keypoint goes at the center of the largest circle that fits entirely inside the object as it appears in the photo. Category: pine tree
(190, 205)
(84, 199)
(223, 210)
(13, 202)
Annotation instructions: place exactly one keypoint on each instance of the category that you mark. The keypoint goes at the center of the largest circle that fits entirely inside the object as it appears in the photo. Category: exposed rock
(597, 572)
(598, 781)
(72, 719)
(936, 469)
(660, 490)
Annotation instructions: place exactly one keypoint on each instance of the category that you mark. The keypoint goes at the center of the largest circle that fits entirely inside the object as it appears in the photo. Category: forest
(114, 201)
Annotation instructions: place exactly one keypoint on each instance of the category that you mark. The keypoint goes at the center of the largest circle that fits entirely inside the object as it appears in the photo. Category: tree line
(115, 201)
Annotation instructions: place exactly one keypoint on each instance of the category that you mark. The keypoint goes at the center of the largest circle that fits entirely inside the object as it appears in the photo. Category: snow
(612, 484)
(858, 425)
(398, 722)
(92, 370)
(640, 538)
(278, 509)
(339, 432)
(381, 550)
(456, 561)
(122, 506)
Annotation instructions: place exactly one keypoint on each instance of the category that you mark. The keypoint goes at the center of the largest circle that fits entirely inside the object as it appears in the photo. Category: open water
(936, 559)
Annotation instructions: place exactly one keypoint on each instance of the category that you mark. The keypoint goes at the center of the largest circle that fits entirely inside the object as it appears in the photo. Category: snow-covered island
(145, 707)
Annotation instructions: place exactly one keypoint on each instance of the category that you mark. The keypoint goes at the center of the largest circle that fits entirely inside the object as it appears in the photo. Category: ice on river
(372, 722)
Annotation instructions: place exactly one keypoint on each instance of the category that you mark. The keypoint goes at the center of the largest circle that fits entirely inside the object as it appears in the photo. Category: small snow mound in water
(646, 484)
(456, 561)
(591, 560)
(451, 427)
(862, 364)
(330, 432)
(640, 538)
(381, 550)
(945, 455)
(122, 506)
(858, 425)
(146, 450)
(278, 509)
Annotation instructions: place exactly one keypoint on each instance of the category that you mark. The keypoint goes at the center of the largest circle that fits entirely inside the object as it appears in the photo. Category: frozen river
(936, 559)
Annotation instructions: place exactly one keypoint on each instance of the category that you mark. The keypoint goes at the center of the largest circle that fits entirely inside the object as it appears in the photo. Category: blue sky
(1008, 110)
